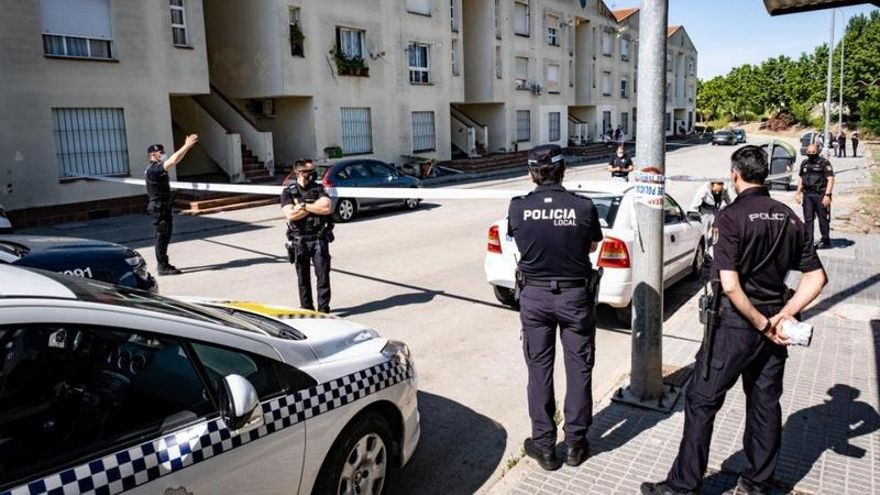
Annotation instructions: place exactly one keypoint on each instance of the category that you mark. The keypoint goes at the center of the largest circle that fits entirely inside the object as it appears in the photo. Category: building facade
(87, 85)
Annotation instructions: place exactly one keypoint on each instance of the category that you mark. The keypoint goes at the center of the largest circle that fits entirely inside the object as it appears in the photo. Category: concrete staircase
(488, 163)
(255, 171)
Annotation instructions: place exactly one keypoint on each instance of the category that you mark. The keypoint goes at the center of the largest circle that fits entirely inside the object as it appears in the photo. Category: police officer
(307, 207)
(814, 186)
(759, 241)
(555, 231)
(620, 165)
(159, 204)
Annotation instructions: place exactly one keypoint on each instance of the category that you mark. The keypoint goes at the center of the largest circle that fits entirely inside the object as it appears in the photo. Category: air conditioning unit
(267, 109)
(536, 89)
(522, 84)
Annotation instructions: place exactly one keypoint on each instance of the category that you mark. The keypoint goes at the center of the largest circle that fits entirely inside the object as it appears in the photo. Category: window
(624, 122)
(350, 42)
(672, 212)
(521, 18)
(77, 29)
(668, 92)
(297, 39)
(624, 49)
(624, 87)
(606, 83)
(606, 121)
(71, 391)
(668, 121)
(497, 19)
(523, 125)
(668, 61)
(178, 23)
(419, 6)
(453, 19)
(90, 142)
(454, 50)
(522, 72)
(551, 78)
(380, 170)
(571, 73)
(690, 93)
(357, 130)
(419, 71)
(498, 69)
(606, 43)
(552, 30)
(554, 126)
(219, 362)
(423, 135)
(691, 65)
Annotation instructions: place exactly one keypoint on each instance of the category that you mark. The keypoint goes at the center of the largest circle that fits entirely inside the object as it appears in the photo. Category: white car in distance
(105, 389)
(683, 246)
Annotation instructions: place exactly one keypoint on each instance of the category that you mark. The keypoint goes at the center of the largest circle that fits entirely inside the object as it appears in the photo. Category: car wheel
(360, 459)
(624, 315)
(345, 210)
(411, 203)
(697, 265)
(506, 296)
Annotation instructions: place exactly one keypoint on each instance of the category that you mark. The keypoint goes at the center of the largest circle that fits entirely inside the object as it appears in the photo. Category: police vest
(311, 224)
(813, 175)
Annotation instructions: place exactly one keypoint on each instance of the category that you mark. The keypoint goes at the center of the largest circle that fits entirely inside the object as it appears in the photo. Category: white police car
(106, 389)
(682, 246)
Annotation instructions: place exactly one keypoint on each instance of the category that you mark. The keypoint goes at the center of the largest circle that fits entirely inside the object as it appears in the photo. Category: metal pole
(840, 104)
(828, 90)
(646, 380)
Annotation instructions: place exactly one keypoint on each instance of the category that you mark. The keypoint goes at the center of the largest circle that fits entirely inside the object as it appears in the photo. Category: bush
(871, 115)
(748, 116)
(719, 123)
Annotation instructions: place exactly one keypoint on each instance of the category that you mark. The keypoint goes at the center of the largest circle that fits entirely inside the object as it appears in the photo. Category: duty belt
(306, 237)
(554, 284)
(726, 304)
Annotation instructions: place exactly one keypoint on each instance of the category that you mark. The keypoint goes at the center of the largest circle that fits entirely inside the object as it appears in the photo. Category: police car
(86, 258)
(683, 248)
(105, 389)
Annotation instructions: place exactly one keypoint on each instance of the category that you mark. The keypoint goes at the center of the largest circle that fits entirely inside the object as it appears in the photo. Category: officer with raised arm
(759, 241)
(555, 231)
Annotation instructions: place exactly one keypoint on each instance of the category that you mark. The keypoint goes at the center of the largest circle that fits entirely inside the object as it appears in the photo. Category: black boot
(576, 455)
(546, 459)
(661, 488)
(168, 269)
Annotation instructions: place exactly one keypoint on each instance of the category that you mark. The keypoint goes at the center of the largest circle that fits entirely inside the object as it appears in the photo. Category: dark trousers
(841, 149)
(813, 208)
(317, 253)
(739, 350)
(855, 143)
(541, 312)
(163, 227)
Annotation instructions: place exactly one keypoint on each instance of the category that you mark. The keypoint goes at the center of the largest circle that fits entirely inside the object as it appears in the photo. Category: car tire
(411, 204)
(506, 296)
(697, 264)
(624, 315)
(344, 468)
(345, 210)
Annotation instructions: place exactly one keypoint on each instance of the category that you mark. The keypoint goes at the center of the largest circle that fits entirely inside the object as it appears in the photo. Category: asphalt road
(418, 277)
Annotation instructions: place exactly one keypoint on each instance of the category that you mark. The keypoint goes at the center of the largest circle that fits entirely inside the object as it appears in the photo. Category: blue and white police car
(105, 389)
(88, 258)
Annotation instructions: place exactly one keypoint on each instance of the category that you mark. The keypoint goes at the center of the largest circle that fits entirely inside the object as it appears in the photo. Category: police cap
(545, 154)
(153, 148)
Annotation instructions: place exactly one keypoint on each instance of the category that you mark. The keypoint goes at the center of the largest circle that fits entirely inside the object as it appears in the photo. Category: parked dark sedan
(366, 173)
(740, 135)
(724, 137)
(85, 258)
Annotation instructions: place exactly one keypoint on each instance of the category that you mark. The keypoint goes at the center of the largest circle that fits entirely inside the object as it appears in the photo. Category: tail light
(494, 245)
(325, 179)
(614, 254)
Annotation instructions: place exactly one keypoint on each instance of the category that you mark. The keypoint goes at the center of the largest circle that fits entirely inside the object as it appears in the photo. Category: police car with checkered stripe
(105, 389)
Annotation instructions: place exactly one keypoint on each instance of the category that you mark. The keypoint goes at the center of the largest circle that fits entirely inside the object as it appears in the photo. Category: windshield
(606, 206)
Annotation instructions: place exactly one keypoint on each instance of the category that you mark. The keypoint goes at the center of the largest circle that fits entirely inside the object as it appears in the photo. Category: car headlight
(398, 352)
(138, 265)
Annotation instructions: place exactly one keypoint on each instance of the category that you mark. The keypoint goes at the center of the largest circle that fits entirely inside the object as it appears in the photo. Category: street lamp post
(828, 90)
(840, 103)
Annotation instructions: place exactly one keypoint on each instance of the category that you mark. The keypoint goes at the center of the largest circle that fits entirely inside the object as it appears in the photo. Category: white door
(676, 237)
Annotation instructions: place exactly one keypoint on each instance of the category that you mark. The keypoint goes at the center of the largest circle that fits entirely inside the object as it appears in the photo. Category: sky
(729, 33)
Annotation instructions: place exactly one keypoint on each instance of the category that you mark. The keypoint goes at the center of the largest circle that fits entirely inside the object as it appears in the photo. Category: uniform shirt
(746, 232)
(310, 224)
(158, 184)
(621, 162)
(815, 173)
(705, 198)
(553, 229)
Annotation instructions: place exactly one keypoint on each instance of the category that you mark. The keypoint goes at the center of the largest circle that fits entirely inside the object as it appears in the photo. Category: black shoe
(824, 245)
(547, 460)
(575, 456)
(168, 270)
(661, 488)
(326, 310)
(751, 488)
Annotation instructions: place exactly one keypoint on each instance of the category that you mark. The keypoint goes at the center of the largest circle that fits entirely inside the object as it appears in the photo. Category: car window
(357, 171)
(672, 212)
(381, 170)
(71, 393)
(219, 362)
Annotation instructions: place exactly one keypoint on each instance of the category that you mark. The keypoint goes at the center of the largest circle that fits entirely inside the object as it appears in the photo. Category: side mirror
(239, 404)
(694, 216)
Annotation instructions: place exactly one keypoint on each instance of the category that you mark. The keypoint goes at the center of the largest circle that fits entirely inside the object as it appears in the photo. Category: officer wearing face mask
(814, 186)
(620, 165)
(159, 204)
(307, 207)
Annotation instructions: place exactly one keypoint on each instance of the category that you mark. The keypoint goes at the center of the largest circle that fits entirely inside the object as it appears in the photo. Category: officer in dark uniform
(620, 165)
(307, 208)
(555, 231)
(759, 241)
(159, 198)
(815, 183)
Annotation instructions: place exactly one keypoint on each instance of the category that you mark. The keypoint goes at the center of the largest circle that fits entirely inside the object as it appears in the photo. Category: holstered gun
(593, 280)
(710, 316)
(520, 281)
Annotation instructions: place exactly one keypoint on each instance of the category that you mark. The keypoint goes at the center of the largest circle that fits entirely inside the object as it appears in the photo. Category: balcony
(350, 65)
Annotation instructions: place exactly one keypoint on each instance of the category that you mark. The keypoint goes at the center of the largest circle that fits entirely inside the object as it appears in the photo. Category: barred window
(523, 125)
(423, 134)
(90, 142)
(357, 130)
(554, 134)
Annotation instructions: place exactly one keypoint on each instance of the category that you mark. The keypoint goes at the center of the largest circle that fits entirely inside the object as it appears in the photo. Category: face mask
(812, 158)
(310, 177)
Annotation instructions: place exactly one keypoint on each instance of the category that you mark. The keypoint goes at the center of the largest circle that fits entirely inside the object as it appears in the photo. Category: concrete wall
(147, 69)
(293, 129)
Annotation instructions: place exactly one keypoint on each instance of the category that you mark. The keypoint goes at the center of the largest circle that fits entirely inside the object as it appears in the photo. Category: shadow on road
(829, 302)
(808, 433)
(422, 297)
(390, 212)
(458, 451)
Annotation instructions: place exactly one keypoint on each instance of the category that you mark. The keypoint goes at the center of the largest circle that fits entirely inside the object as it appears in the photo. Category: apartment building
(89, 84)
(85, 87)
